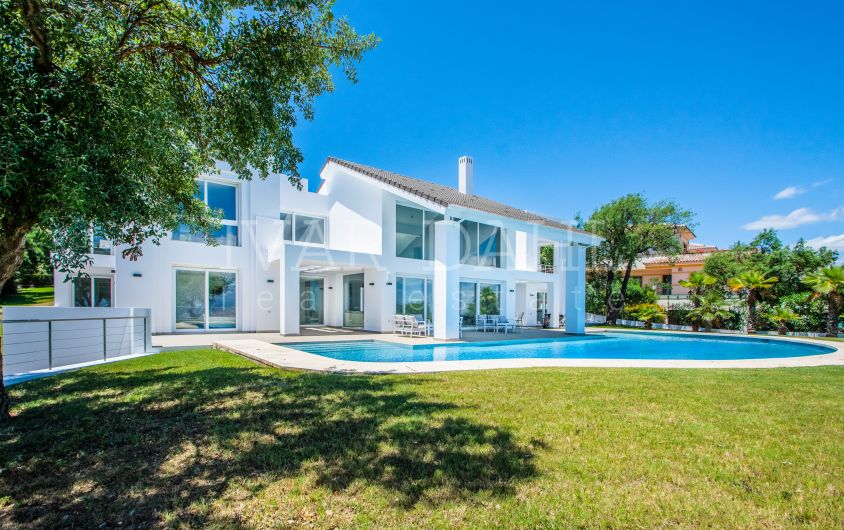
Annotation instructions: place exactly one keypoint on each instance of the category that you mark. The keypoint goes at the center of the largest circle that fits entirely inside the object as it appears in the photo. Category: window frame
(466, 238)
(202, 193)
(427, 294)
(293, 239)
(91, 278)
(435, 216)
(207, 302)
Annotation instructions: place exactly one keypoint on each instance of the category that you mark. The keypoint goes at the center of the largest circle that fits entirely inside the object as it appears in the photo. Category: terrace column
(446, 280)
(557, 303)
(575, 287)
(289, 289)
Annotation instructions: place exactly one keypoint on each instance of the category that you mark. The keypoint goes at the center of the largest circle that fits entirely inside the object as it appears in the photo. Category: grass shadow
(127, 446)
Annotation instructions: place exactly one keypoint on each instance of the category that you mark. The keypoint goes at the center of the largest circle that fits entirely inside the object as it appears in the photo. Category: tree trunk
(11, 255)
(751, 313)
(834, 306)
(782, 329)
(612, 314)
(695, 326)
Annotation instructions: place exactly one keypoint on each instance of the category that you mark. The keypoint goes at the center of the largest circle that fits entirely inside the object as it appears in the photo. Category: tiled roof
(447, 196)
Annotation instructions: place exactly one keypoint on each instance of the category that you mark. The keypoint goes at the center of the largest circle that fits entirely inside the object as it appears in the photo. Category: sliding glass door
(353, 300)
(205, 300)
(311, 301)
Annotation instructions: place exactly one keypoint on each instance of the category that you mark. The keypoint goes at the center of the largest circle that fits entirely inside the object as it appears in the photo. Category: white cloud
(789, 192)
(833, 242)
(799, 217)
(821, 183)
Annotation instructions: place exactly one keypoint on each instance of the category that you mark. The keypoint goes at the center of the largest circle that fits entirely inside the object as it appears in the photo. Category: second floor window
(221, 198)
(480, 244)
(415, 232)
(301, 228)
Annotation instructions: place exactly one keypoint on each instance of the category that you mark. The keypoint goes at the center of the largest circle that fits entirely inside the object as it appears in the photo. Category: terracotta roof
(448, 196)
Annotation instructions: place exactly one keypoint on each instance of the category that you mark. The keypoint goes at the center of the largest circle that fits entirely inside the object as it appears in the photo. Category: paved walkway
(279, 356)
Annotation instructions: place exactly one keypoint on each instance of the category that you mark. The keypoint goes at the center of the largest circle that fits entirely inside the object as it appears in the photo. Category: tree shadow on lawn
(128, 447)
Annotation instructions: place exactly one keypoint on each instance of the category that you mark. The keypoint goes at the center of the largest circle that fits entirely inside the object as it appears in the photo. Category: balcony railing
(547, 269)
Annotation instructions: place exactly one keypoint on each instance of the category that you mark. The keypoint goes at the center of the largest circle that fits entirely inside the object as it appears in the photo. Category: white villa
(367, 245)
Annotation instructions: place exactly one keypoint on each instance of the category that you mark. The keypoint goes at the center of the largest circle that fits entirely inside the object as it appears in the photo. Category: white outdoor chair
(520, 322)
(421, 323)
(505, 324)
(480, 322)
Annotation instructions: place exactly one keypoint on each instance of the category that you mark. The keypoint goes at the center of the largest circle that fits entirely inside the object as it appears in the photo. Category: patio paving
(325, 333)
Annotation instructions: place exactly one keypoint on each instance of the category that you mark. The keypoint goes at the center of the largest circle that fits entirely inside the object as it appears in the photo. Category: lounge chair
(505, 324)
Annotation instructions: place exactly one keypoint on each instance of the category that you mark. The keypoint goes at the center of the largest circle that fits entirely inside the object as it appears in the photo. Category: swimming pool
(609, 345)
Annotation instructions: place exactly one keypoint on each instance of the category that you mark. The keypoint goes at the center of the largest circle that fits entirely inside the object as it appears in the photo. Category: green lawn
(28, 296)
(203, 438)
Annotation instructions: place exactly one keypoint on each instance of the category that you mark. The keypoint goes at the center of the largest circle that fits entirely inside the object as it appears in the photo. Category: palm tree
(647, 313)
(781, 316)
(752, 282)
(697, 283)
(708, 310)
(828, 282)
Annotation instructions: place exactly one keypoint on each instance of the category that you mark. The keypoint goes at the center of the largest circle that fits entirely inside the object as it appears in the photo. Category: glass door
(311, 302)
(205, 300)
(353, 300)
(541, 307)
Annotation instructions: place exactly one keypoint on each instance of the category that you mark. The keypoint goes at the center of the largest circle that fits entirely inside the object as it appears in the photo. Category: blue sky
(723, 106)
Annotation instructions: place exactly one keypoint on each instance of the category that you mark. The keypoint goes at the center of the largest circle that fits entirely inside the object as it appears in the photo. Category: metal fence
(37, 344)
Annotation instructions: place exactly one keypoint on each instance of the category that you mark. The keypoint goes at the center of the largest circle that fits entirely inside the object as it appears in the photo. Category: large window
(222, 199)
(301, 228)
(92, 292)
(415, 232)
(205, 300)
(480, 244)
(415, 296)
(479, 299)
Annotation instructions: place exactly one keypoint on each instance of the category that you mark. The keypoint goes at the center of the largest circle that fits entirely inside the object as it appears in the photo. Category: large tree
(109, 109)
(631, 227)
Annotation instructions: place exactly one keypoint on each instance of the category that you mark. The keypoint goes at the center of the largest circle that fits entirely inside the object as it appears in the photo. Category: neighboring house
(663, 273)
(367, 245)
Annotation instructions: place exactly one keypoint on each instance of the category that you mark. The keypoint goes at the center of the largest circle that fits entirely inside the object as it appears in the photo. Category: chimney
(464, 165)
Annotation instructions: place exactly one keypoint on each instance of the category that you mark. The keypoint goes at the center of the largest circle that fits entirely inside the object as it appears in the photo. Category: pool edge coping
(279, 356)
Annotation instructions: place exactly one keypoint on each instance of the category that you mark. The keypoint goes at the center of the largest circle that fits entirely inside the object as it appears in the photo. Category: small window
(99, 244)
(287, 222)
(92, 289)
(309, 229)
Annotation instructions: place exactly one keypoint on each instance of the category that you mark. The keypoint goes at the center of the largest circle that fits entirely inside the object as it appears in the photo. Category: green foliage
(678, 314)
(828, 283)
(546, 255)
(780, 316)
(710, 310)
(631, 226)
(698, 282)
(109, 110)
(490, 304)
(766, 253)
(35, 269)
(636, 294)
(648, 313)
(812, 311)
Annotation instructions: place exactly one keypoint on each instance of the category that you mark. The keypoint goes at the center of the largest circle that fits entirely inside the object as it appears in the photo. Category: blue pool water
(609, 345)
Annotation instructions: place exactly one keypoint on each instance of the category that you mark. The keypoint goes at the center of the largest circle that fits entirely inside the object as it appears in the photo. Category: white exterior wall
(360, 237)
